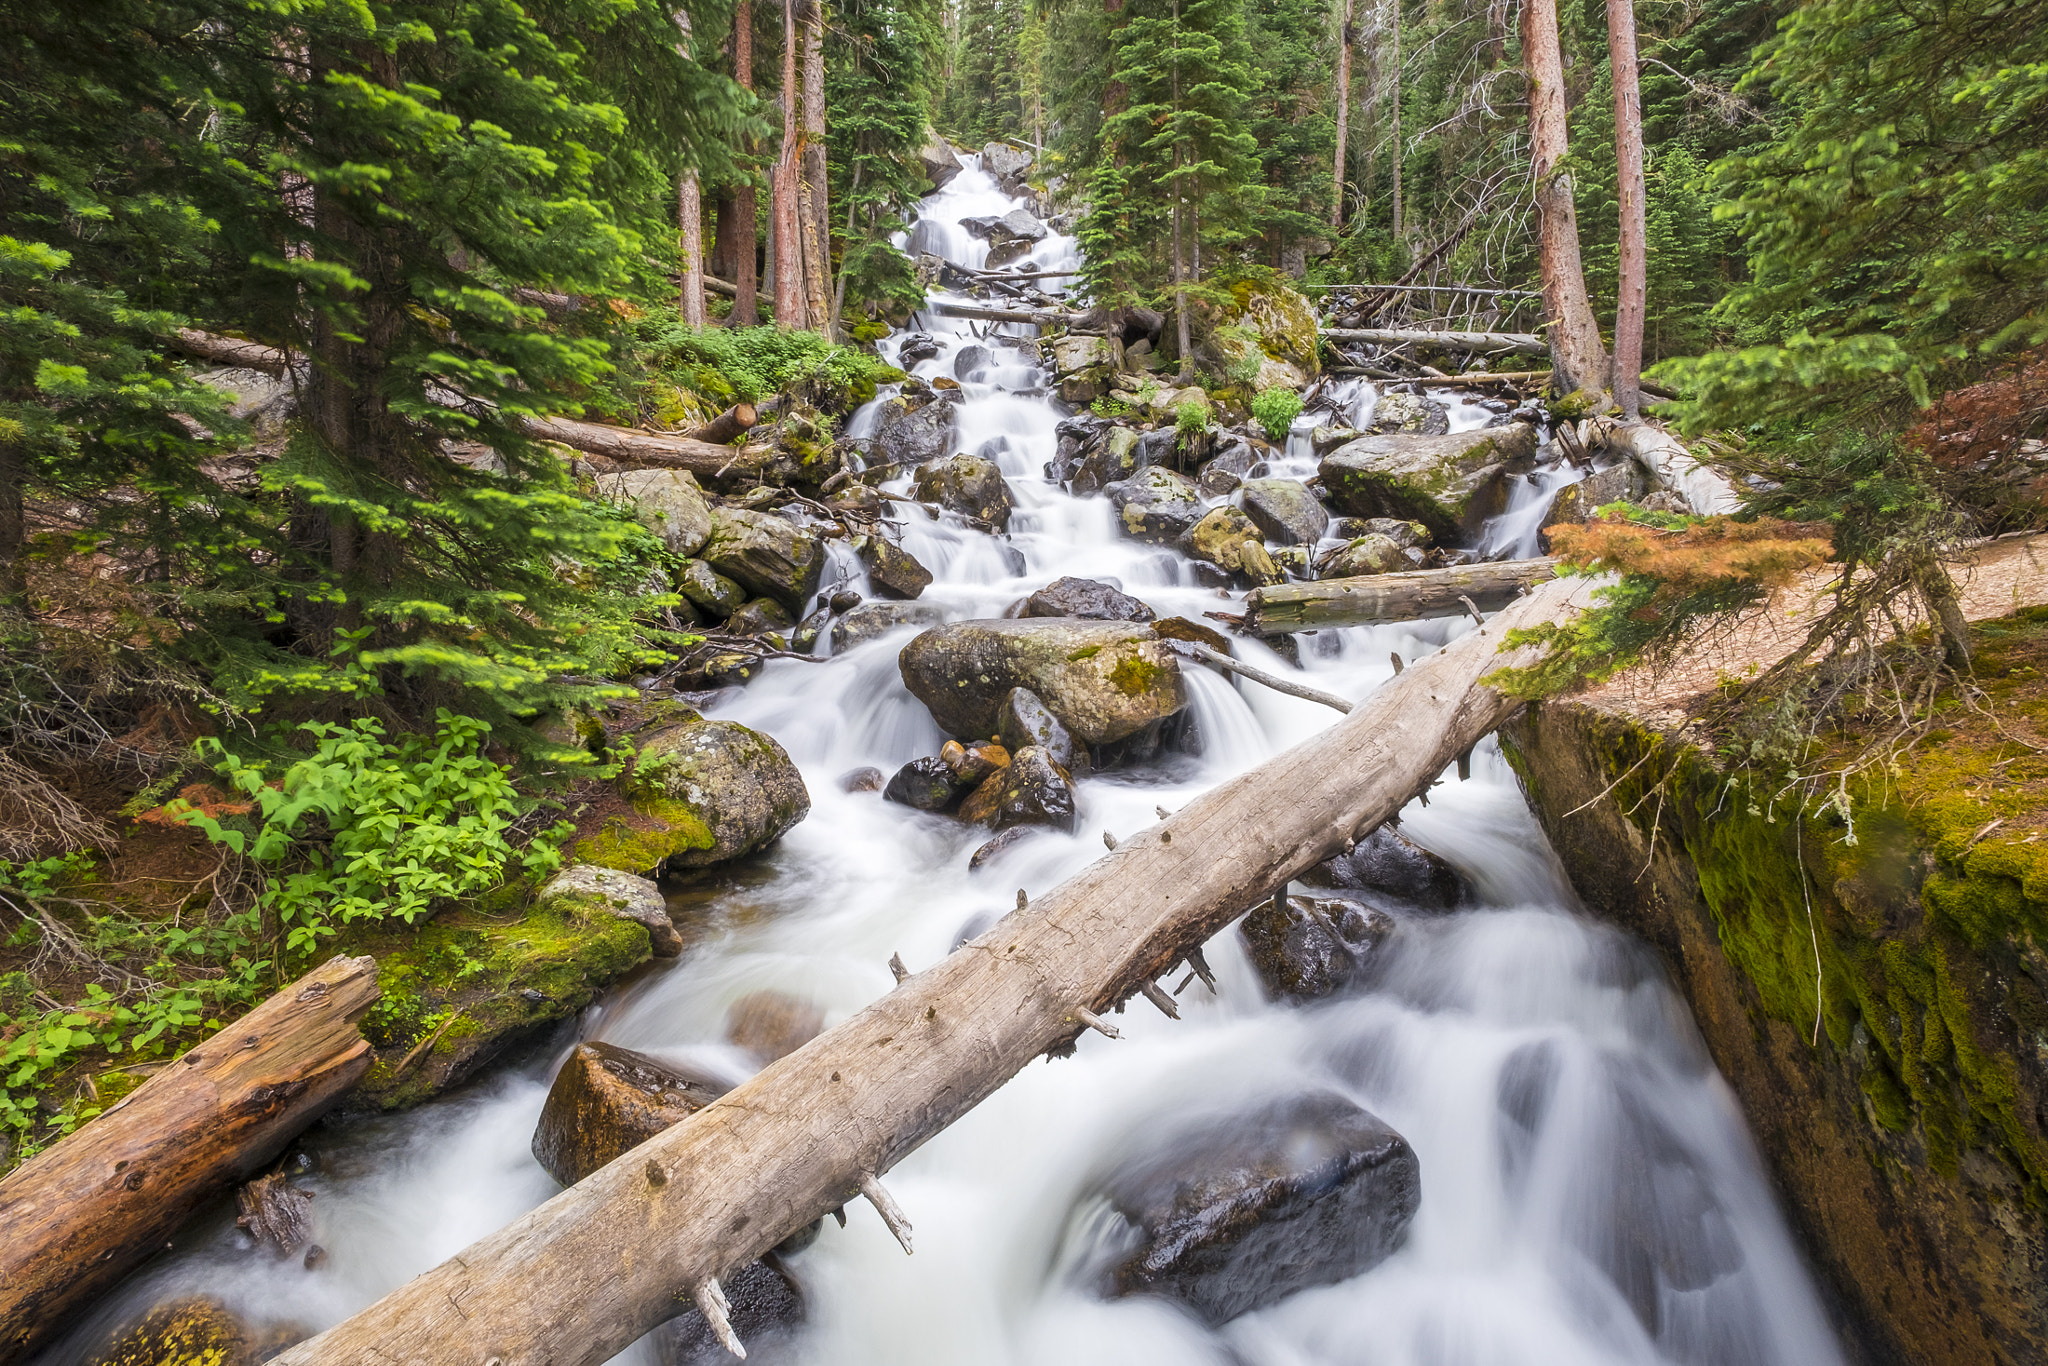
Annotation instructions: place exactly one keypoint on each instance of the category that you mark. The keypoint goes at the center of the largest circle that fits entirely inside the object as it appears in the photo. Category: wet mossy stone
(1116, 457)
(969, 485)
(607, 890)
(189, 1332)
(1155, 505)
(1236, 1211)
(1103, 680)
(1312, 947)
(705, 587)
(1030, 790)
(1389, 863)
(1449, 483)
(769, 556)
(1025, 723)
(759, 617)
(1284, 510)
(1363, 556)
(894, 571)
(703, 791)
(1090, 598)
(927, 784)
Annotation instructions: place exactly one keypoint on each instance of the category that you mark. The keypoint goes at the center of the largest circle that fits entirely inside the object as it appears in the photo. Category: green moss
(1134, 675)
(1085, 652)
(628, 847)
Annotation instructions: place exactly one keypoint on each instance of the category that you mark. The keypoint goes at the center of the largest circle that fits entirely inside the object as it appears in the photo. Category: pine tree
(879, 86)
(1289, 118)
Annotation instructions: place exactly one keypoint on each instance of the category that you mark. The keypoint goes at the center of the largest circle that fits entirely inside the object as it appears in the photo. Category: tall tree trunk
(13, 532)
(1394, 80)
(1343, 94)
(746, 310)
(722, 253)
(817, 218)
(786, 232)
(1632, 296)
(690, 215)
(1578, 358)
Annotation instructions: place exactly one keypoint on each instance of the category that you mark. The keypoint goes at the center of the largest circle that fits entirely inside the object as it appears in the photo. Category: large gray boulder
(1008, 165)
(912, 429)
(701, 792)
(667, 502)
(769, 556)
(1388, 863)
(1156, 505)
(1104, 680)
(625, 895)
(1091, 598)
(1284, 510)
(968, 485)
(1243, 1210)
(940, 162)
(1449, 483)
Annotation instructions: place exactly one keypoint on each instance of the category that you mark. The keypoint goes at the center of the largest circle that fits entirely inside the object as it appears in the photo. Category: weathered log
(1039, 317)
(79, 1216)
(577, 1279)
(631, 446)
(728, 427)
(1407, 596)
(1666, 458)
(232, 351)
(1522, 343)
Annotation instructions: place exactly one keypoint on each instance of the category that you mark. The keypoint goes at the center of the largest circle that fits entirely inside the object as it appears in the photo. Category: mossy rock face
(195, 1332)
(1285, 321)
(969, 485)
(1449, 483)
(1103, 680)
(706, 791)
(767, 555)
(1873, 989)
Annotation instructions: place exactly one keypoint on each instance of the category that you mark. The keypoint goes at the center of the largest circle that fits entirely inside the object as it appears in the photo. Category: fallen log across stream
(80, 1215)
(640, 1240)
(1520, 343)
(1406, 596)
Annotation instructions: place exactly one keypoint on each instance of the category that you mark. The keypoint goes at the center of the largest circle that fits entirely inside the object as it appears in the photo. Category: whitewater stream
(1590, 1194)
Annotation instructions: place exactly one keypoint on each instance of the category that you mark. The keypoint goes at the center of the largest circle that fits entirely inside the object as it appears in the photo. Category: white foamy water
(1589, 1191)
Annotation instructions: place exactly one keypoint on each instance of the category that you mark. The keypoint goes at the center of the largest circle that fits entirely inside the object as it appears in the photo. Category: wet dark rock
(1386, 861)
(1155, 505)
(1032, 790)
(927, 784)
(772, 1024)
(1090, 598)
(758, 617)
(1449, 483)
(1244, 1210)
(873, 620)
(1160, 446)
(1116, 458)
(1075, 436)
(845, 600)
(607, 1100)
(1313, 946)
(1234, 462)
(968, 485)
(973, 763)
(1418, 414)
(764, 1305)
(988, 853)
(810, 630)
(768, 556)
(862, 780)
(970, 359)
(918, 346)
(1026, 723)
(1007, 164)
(1284, 510)
(625, 895)
(894, 571)
(704, 586)
(908, 432)
(1103, 680)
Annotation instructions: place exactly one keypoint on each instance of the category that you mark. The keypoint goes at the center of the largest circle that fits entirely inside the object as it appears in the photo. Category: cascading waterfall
(1589, 1191)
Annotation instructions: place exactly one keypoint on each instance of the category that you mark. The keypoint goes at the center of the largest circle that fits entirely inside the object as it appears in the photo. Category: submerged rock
(702, 792)
(622, 894)
(666, 502)
(772, 1024)
(767, 555)
(968, 485)
(198, 1331)
(1448, 483)
(1312, 947)
(764, 1303)
(1244, 1210)
(1103, 680)
(1090, 598)
(863, 780)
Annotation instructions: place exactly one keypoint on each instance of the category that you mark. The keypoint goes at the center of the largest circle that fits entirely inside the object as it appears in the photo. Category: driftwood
(1407, 596)
(79, 1216)
(1522, 343)
(636, 1242)
(1039, 317)
(1666, 458)
(1228, 665)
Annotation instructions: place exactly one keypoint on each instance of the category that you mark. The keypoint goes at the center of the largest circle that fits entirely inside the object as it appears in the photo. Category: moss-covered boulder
(1284, 510)
(666, 502)
(769, 556)
(1363, 555)
(701, 792)
(1103, 680)
(1032, 789)
(1450, 483)
(1414, 413)
(189, 1332)
(969, 485)
(1113, 457)
(894, 571)
(601, 891)
(1228, 539)
(1155, 505)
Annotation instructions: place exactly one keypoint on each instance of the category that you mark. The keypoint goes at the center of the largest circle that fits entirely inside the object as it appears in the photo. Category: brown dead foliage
(1713, 553)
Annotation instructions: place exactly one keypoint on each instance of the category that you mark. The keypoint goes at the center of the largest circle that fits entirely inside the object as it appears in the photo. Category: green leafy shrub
(367, 828)
(1275, 409)
(1191, 418)
(753, 362)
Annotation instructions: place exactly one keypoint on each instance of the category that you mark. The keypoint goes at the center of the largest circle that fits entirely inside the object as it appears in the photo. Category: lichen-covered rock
(927, 784)
(873, 620)
(1322, 440)
(1387, 862)
(1116, 458)
(1448, 483)
(666, 502)
(968, 485)
(913, 430)
(759, 617)
(1285, 322)
(1407, 535)
(1228, 539)
(1235, 1212)
(188, 1332)
(1090, 598)
(1026, 723)
(894, 571)
(705, 587)
(1361, 556)
(1418, 414)
(1030, 790)
(1077, 351)
(1155, 505)
(1284, 510)
(626, 895)
(769, 556)
(704, 791)
(608, 1100)
(1103, 680)
(1312, 946)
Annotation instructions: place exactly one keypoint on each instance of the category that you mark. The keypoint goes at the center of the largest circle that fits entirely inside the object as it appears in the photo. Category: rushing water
(1589, 1191)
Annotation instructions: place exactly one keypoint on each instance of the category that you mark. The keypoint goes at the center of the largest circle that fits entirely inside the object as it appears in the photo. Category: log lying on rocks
(232, 351)
(1406, 596)
(79, 1216)
(633, 1244)
(728, 427)
(1667, 459)
(1521, 343)
(631, 446)
(1040, 317)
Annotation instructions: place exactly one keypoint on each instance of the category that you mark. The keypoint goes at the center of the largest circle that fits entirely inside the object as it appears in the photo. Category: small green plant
(1243, 352)
(1191, 418)
(1276, 409)
(1109, 405)
(365, 828)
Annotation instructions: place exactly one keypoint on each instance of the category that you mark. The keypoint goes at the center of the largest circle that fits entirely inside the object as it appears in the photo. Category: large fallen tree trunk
(631, 446)
(1667, 459)
(1039, 317)
(232, 351)
(579, 1278)
(81, 1215)
(1406, 596)
(1521, 343)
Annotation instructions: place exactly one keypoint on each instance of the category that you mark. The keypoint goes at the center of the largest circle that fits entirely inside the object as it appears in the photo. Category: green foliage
(364, 828)
(880, 75)
(1275, 410)
(1190, 418)
(752, 363)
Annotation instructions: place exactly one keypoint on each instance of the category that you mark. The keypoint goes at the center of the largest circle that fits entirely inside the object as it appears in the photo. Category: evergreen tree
(1289, 118)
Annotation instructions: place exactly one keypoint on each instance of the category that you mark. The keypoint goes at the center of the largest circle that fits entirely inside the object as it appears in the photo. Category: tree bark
(690, 214)
(1394, 78)
(232, 351)
(727, 427)
(579, 1278)
(1578, 358)
(82, 1214)
(1343, 119)
(1632, 295)
(13, 534)
(817, 216)
(1408, 596)
(786, 231)
(746, 309)
(1522, 343)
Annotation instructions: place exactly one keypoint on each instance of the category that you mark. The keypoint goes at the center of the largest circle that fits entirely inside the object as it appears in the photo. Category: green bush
(1191, 418)
(1276, 410)
(751, 363)
(370, 829)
